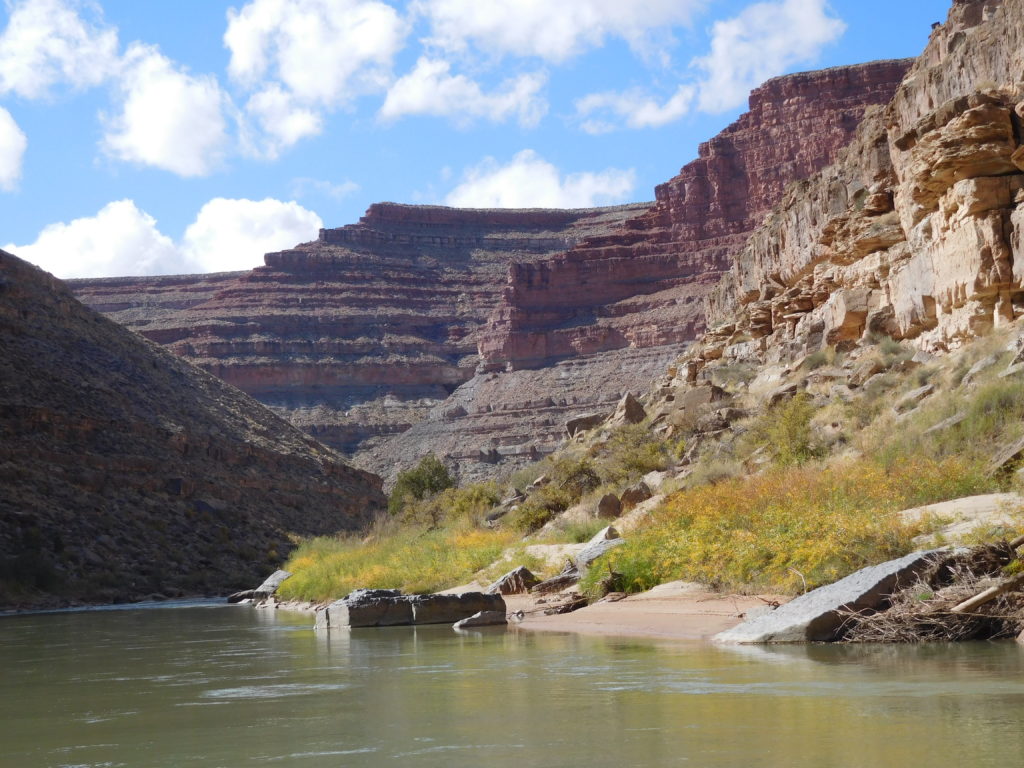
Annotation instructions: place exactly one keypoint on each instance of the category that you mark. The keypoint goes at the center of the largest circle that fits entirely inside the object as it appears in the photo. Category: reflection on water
(237, 687)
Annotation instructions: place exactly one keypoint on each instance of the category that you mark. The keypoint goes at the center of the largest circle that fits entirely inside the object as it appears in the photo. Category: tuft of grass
(412, 560)
(787, 526)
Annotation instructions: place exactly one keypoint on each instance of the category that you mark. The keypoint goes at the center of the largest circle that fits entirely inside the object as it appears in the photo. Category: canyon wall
(354, 336)
(915, 232)
(478, 333)
(127, 471)
(644, 284)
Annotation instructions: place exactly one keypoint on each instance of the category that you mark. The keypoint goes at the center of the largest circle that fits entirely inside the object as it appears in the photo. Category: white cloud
(634, 108)
(283, 122)
(763, 41)
(169, 119)
(234, 234)
(47, 42)
(431, 89)
(321, 50)
(303, 56)
(12, 148)
(554, 30)
(529, 181)
(121, 240)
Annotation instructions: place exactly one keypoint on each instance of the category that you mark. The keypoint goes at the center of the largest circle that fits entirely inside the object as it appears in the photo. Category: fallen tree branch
(989, 594)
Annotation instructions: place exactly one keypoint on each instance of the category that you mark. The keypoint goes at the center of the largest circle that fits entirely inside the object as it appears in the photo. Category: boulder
(697, 396)
(482, 619)
(910, 400)
(447, 609)
(780, 394)
(978, 368)
(367, 608)
(634, 495)
(818, 615)
(582, 424)
(628, 411)
(606, 539)
(608, 507)
(515, 582)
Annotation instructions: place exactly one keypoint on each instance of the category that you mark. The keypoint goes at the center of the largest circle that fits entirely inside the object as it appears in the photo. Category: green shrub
(428, 477)
(630, 453)
(468, 504)
(785, 430)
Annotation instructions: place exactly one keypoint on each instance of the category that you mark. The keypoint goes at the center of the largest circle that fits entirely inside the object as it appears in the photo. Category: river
(209, 686)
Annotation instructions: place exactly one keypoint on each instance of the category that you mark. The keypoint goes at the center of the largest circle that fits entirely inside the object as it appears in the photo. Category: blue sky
(192, 136)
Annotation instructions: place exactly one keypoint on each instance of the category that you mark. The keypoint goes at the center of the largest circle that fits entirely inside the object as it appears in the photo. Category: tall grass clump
(789, 528)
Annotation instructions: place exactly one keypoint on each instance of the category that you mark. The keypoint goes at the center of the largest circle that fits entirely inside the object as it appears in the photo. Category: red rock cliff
(643, 284)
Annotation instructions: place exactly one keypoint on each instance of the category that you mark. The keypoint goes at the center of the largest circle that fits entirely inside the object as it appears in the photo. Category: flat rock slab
(482, 619)
(961, 518)
(816, 616)
(389, 608)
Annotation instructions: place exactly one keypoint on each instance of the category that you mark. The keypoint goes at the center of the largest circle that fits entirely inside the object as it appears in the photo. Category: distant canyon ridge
(476, 334)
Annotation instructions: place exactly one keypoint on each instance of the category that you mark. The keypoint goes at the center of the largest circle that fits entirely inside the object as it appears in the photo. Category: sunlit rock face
(915, 231)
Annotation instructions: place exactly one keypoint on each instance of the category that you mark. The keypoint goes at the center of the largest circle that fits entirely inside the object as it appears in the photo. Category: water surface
(234, 686)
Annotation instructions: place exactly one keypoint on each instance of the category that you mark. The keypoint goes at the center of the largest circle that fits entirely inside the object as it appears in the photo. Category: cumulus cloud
(121, 240)
(633, 108)
(282, 120)
(12, 148)
(529, 181)
(168, 118)
(300, 57)
(763, 41)
(47, 42)
(554, 31)
(234, 234)
(431, 89)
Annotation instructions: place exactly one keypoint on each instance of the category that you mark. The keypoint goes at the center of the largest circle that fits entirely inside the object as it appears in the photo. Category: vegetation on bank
(788, 529)
(797, 496)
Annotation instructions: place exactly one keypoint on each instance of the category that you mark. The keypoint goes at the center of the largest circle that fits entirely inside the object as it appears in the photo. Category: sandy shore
(678, 611)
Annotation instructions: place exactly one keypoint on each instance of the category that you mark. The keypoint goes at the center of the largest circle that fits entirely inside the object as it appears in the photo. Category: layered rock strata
(370, 337)
(643, 285)
(915, 232)
(356, 335)
(127, 471)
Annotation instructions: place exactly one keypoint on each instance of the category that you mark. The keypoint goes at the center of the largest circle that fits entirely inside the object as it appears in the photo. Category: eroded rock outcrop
(915, 231)
(126, 471)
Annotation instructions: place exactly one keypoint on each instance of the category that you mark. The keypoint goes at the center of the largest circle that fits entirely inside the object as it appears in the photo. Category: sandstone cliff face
(915, 232)
(643, 285)
(126, 471)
